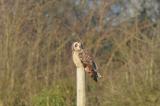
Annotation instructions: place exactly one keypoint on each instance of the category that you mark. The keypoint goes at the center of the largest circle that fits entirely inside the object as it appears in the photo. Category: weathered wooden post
(76, 52)
(81, 95)
(81, 59)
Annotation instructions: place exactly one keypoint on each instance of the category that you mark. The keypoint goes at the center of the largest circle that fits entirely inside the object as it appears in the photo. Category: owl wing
(89, 64)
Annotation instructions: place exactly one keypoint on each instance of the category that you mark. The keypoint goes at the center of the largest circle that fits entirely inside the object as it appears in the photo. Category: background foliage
(35, 55)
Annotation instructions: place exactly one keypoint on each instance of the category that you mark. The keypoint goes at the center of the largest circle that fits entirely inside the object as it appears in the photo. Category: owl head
(77, 46)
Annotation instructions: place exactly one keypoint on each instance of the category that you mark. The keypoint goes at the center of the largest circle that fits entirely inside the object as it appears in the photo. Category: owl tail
(96, 76)
(99, 75)
(93, 73)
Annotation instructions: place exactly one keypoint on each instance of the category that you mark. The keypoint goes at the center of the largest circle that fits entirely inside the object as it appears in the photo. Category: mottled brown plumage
(83, 58)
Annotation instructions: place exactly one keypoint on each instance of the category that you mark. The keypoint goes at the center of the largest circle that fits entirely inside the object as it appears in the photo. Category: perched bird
(82, 58)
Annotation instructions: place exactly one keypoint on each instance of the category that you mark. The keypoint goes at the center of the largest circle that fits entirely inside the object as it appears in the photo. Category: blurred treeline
(36, 67)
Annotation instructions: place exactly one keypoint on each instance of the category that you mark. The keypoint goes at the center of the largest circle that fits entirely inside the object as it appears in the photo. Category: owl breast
(77, 60)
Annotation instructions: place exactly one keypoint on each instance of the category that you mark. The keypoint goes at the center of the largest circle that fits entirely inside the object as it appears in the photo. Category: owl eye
(76, 45)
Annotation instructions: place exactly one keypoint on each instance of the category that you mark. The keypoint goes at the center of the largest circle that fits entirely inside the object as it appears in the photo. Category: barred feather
(89, 64)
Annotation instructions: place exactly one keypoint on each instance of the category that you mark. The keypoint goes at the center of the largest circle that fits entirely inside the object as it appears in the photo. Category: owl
(82, 58)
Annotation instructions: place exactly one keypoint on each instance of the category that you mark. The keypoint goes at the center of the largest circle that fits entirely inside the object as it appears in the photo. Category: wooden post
(81, 95)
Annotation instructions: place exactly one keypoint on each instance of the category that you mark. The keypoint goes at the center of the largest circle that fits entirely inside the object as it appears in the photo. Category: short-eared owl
(82, 58)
